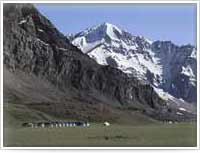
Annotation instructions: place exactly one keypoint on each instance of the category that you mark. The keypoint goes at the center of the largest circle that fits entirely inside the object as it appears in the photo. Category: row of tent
(55, 124)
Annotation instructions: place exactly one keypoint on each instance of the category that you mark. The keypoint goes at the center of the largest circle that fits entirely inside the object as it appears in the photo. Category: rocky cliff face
(33, 45)
(179, 69)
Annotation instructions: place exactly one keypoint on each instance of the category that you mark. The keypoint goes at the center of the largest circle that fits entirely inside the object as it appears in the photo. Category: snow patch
(63, 49)
(39, 40)
(162, 94)
(194, 54)
(187, 71)
(40, 30)
(22, 21)
(110, 31)
(179, 113)
(182, 109)
(173, 86)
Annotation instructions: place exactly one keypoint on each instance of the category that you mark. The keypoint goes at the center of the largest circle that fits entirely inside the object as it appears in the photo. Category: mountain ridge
(142, 58)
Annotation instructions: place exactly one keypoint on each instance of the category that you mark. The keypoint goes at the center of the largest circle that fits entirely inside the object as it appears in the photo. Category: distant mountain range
(170, 69)
(44, 72)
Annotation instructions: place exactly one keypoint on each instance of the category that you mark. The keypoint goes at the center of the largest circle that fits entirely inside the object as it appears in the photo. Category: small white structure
(42, 125)
(35, 125)
(170, 122)
(60, 124)
(32, 125)
(106, 123)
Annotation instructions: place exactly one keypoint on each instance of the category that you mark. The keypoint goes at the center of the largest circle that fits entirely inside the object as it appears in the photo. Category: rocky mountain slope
(58, 79)
(168, 67)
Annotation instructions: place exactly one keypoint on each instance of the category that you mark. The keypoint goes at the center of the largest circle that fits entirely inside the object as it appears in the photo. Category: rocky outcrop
(179, 71)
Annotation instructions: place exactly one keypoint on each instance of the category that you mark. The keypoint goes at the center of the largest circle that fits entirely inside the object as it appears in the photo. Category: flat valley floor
(136, 132)
(97, 135)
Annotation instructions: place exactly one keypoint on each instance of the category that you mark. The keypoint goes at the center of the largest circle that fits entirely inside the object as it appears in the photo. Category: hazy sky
(175, 22)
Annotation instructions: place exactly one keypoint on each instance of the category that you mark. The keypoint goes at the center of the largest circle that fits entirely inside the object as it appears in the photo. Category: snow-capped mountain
(169, 68)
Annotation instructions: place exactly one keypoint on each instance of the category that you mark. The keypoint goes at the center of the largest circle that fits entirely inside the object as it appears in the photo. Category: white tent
(106, 123)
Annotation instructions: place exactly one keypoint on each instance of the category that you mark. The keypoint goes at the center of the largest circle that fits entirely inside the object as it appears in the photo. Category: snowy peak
(109, 45)
(100, 32)
(111, 37)
(96, 35)
(112, 31)
(163, 64)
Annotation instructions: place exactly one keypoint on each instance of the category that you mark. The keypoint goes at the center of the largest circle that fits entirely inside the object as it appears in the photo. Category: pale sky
(175, 22)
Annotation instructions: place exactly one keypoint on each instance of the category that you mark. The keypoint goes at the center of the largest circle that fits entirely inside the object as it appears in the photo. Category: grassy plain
(153, 134)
